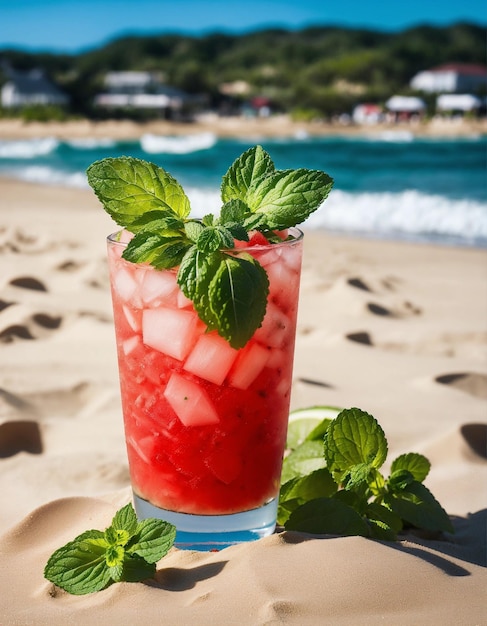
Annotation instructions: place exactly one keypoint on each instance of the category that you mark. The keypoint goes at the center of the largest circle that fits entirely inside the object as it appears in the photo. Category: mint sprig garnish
(332, 483)
(127, 550)
(229, 291)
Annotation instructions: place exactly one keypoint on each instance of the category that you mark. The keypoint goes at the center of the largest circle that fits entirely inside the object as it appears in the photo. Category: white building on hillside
(451, 78)
(140, 90)
(30, 88)
(458, 103)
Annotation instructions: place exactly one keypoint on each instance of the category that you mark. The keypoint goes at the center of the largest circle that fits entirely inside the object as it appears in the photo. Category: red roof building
(451, 78)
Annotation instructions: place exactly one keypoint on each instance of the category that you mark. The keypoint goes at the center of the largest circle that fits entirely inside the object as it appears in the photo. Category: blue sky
(73, 25)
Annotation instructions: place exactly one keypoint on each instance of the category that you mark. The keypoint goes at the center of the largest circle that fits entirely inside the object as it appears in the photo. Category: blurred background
(389, 99)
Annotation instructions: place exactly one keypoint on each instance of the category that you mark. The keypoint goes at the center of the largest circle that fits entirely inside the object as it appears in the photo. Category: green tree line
(319, 70)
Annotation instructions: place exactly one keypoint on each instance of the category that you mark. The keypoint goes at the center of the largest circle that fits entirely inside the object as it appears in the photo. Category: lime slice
(309, 423)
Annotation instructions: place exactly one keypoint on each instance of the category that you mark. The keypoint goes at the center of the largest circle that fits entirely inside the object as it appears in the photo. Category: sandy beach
(237, 126)
(397, 329)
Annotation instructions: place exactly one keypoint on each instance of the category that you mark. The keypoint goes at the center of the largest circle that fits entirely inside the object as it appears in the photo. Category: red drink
(205, 424)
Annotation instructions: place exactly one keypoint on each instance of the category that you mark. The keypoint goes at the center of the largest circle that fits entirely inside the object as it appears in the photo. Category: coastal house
(367, 113)
(30, 88)
(142, 91)
(458, 104)
(405, 108)
(451, 78)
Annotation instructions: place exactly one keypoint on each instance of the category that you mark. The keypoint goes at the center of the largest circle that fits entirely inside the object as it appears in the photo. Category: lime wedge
(309, 424)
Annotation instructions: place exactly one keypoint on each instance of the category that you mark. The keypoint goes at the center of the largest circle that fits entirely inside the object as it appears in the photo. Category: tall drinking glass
(205, 424)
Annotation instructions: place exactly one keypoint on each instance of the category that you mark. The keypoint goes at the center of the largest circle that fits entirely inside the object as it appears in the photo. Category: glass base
(213, 532)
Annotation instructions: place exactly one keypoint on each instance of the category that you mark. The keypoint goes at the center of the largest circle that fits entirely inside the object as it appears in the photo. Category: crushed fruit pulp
(205, 424)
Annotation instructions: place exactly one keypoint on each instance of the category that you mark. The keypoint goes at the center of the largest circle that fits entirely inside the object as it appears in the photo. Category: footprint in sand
(473, 383)
(4, 304)
(362, 337)
(404, 310)
(36, 326)
(475, 435)
(70, 266)
(20, 436)
(388, 283)
(28, 282)
(397, 310)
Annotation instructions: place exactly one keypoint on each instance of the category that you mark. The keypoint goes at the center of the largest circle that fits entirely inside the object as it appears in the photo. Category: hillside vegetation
(325, 70)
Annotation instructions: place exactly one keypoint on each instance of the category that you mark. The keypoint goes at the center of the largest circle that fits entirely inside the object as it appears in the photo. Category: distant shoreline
(234, 127)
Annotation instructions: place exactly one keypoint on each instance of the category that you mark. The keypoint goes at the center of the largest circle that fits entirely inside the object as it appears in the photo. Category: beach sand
(397, 329)
(251, 128)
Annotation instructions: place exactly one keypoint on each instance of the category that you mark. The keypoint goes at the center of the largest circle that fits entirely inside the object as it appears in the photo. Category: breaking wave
(160, 144)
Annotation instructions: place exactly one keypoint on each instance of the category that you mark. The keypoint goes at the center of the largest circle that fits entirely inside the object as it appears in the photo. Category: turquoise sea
(391, 186)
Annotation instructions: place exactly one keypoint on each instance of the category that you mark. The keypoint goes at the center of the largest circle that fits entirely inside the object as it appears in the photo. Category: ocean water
(391, 186)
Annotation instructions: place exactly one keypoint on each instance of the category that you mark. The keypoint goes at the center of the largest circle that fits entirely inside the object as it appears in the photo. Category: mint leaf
(129, 187)
(233, 211)
(288, 197)
(126, 519)
(80, 566)
(135, 569)
(161, 251)
(214, 238)
(417, 464)
(384, 523)
(354, 438)
(299, 490)
(153, 540)
(247, 170)
(344, 486)
(238, 298)
(416, 505)
(327, 516)
(163, 222)
(194, 276)
(305, 459)
(193, 230)
(126, 551)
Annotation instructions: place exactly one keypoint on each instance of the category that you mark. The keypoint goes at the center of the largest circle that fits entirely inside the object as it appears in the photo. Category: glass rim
(297, 236)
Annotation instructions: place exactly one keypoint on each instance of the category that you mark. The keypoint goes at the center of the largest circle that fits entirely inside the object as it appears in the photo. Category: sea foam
(28, 148)
(185, 144)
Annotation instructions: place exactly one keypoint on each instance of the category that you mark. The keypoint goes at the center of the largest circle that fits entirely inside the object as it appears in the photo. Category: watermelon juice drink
(205, 423)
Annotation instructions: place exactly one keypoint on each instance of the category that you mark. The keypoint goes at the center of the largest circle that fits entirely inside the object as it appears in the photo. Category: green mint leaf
(161, 251)
(153, 540)
(353, 438)
(208, 220)
(358, 476)
(305, 459)
(247, 170)
(416, 505)
(80, 566)
(254, 221)
(317, 484)
(214, 238)
(399, 480)
(116, 536)
(194, 276)
(417, 464)
(127, 550)
(114, 556)
(238, 298)
(193, 230)
(126, 519)
(163, 222)
(128, 187)
(237, 231)
(327, 516)
(288, 197)
(384, 523)
(135, 569)
(233, 211)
